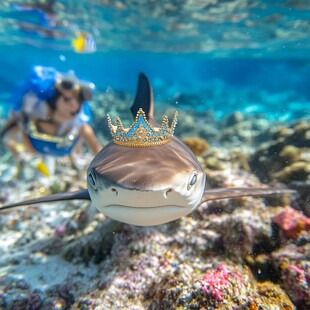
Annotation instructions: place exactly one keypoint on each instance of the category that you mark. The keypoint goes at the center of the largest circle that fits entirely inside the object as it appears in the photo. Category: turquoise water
(206, 59)
(271, 87)
(251, 56)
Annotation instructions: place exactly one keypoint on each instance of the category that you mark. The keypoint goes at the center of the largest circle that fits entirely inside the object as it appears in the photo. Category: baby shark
(146, 176)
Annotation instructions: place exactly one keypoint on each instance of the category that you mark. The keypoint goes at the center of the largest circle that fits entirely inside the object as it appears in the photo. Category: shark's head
(146, 186)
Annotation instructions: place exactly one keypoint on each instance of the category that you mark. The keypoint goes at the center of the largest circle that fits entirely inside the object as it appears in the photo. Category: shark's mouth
(148, 207)
(144, 216)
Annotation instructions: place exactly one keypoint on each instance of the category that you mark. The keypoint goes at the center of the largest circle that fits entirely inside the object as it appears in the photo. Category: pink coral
(292, 222)
(296, 282)
(216, 282)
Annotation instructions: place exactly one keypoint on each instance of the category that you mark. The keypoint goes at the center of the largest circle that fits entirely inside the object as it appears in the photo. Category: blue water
(224, 55)
(283, 82)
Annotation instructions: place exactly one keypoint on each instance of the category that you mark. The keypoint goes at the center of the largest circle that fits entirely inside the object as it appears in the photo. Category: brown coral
(197, 145)
(286, 157)
(272, 295)
(298, 171)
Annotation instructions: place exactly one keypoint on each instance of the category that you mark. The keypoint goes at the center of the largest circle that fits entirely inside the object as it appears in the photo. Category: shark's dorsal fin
(144, 98)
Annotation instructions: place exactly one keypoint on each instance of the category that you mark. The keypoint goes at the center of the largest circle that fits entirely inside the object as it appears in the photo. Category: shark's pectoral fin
(221, 193)
(79, 195)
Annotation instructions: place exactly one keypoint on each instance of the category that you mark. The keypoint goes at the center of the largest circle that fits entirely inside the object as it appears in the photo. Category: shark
(150, 185)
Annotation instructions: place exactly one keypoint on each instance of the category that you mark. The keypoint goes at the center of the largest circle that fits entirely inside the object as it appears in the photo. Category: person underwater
(50, 115)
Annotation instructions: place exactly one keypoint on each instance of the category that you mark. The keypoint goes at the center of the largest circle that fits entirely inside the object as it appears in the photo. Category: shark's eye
(92, 179)
(192, 180)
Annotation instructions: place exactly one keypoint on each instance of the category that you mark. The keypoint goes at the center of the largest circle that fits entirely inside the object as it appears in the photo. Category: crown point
(141, 133)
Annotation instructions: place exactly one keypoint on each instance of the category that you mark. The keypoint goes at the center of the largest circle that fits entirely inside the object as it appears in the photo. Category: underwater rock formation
(285, 158)
(104, 262)
(292, 261)
(197, 145)
(223, 287)
(247, 253)
(244, 130)
(292, 222)
(289, 145)
(217, 283)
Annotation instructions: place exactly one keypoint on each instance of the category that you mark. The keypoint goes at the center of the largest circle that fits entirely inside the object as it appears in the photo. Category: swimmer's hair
(52, 100)
(81, 91)
(85, 93)
(56, 94)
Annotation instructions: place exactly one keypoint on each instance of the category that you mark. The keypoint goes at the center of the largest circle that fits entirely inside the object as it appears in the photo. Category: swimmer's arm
(90, 138)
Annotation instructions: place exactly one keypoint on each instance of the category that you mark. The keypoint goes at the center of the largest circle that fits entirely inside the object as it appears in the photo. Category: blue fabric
(85, 113)
(41, 82)
(51, 148)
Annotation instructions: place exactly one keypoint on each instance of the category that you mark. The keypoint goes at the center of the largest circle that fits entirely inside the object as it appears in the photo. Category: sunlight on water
(220, 28)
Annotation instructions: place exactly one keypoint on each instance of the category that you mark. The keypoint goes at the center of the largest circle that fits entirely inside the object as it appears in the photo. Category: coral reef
(286, 159)
(247, 253)
(241, 129)
(292, 262)
(289, 146)
(197, 145)
(217, 283)
(297, 284)
(103, 262)
(292, 222)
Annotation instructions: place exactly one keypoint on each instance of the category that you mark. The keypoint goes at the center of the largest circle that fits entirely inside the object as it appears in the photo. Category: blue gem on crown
(141, 133)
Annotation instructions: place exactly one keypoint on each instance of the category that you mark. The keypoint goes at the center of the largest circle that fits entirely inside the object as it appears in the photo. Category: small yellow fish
(84, 43)
(42, 168)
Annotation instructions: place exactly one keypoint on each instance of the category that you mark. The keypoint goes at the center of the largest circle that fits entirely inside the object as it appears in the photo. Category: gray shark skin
(148, 186)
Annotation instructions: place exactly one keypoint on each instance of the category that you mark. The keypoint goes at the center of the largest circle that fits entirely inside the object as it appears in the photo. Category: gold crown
(141, 133)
